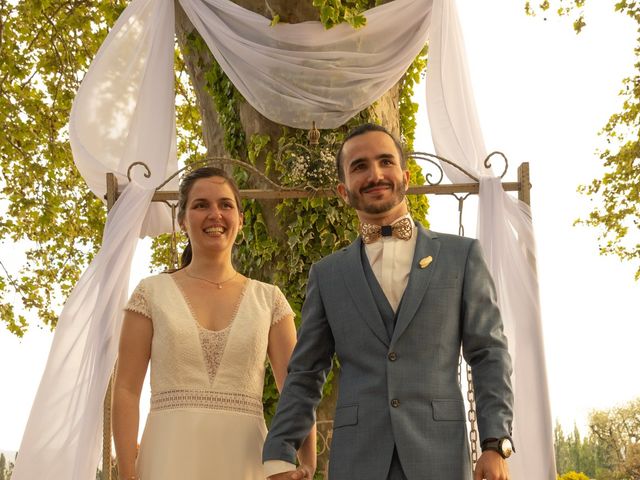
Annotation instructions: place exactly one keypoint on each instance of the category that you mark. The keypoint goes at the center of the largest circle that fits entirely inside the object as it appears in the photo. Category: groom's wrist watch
(504, 446)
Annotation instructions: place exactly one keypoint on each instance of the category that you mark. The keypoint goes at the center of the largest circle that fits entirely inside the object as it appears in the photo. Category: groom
(395, 307)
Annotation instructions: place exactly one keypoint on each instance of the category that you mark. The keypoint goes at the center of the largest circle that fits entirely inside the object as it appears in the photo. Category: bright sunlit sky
(543, 93)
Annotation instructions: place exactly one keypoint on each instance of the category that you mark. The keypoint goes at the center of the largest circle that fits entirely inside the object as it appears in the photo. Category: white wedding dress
(206, 420)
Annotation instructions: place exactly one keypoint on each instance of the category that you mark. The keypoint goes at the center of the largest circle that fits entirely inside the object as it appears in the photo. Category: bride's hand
(302, 472)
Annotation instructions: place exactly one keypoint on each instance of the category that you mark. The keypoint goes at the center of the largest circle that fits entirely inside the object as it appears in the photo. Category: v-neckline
(185, 299)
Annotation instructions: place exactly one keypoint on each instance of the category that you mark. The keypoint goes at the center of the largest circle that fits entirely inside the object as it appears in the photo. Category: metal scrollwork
(147, 174)
(487, 162)
(430, 158)
(325, 434)
(324, 437)
(224, 160)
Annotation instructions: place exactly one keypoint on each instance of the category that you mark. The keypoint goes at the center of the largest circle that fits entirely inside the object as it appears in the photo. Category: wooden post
(111, 197)
(524, 190)
(106, 433)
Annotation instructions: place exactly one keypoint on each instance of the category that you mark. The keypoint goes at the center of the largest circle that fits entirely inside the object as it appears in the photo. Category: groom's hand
(299, 474)
(491, 466)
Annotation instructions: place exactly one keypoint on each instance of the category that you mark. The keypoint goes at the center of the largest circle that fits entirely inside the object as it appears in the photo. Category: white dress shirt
(390, 259)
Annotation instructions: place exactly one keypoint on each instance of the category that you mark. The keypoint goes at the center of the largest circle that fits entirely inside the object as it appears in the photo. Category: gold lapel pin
(424, 263)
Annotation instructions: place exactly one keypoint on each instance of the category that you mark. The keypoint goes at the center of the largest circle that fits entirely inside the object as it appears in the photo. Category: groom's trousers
(395, 471)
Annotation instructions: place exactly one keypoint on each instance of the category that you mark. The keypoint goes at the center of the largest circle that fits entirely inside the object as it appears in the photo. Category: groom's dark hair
(361, 130)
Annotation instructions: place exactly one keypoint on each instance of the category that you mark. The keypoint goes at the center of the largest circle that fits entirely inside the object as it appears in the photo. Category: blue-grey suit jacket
(402, 390)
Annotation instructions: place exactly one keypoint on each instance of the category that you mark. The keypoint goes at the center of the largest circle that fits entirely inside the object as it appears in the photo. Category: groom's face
(374, 181)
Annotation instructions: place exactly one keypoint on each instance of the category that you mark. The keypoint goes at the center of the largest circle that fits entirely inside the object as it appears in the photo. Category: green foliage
(46, 204)
(574, 454)
(564, 8)
(226, 98)
(616, 213)
(333, 12)
(618, 216)
(611, 451)
(408, 111)
(573, 476)
(6, 467)
(47, 207)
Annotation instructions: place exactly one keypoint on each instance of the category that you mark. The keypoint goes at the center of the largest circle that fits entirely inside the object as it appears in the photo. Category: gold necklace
(217, 284)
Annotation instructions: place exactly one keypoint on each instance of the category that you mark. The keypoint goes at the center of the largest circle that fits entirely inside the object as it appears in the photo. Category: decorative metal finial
(314, 135)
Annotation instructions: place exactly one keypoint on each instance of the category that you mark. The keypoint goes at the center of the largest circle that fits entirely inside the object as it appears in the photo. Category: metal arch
(424, 156)
(523, 187)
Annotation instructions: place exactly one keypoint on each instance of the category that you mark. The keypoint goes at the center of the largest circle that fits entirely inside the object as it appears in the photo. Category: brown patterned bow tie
(402, 229)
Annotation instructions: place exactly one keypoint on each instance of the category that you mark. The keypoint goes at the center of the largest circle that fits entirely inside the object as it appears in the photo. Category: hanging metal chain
(473, 420)
(461, 200)
(471, 413)
(471, 395)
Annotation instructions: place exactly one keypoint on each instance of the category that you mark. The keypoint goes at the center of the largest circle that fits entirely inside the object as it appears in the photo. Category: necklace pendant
(219, 287)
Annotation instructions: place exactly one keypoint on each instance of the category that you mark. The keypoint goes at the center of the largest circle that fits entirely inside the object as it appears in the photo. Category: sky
(543, 93)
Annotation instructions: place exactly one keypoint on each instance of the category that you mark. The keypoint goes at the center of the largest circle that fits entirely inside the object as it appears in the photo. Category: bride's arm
(133, 359)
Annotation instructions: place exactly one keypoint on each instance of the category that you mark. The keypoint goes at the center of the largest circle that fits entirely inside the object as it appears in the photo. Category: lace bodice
(193, 366)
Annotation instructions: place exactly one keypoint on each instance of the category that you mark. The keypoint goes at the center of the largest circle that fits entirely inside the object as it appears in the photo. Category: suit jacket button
(393, 356)
(395, 403)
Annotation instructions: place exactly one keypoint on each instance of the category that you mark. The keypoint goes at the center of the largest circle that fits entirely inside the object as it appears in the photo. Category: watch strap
(495, 444)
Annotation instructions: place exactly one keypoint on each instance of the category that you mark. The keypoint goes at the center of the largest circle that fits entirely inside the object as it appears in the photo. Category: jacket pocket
(347, 415)
(448, 410)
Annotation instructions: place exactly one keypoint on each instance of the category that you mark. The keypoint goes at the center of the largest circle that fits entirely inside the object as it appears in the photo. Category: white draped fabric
(123, 112)
(297, 73)
(505, 231)
(292, 74)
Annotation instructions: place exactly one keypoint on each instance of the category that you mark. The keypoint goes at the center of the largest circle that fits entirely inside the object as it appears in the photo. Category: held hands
(491, 466)
(302, 472)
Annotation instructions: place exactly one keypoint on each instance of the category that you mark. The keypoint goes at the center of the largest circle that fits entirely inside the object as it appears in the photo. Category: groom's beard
(357, 200)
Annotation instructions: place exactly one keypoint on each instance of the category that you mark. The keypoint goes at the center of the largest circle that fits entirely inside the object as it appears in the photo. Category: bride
(206, 329)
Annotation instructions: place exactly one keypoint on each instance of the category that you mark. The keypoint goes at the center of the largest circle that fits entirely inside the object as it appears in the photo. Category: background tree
(574, 454)
(6, 467)
(46, 46)
(561, 449)
(616, 215)
(617, 434)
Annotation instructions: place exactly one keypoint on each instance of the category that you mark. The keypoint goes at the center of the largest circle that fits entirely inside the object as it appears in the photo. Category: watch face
(506, 447)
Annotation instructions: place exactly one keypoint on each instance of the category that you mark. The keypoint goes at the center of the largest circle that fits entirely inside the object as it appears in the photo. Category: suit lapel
(358, 287)
(427, 245)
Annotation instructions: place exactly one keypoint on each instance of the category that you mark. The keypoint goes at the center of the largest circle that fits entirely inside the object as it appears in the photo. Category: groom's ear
(342, 191)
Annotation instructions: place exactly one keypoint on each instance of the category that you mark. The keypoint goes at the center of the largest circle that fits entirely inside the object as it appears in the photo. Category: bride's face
(213, 219)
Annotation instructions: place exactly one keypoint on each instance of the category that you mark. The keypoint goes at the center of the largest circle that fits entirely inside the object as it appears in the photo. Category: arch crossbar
(433, 185)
